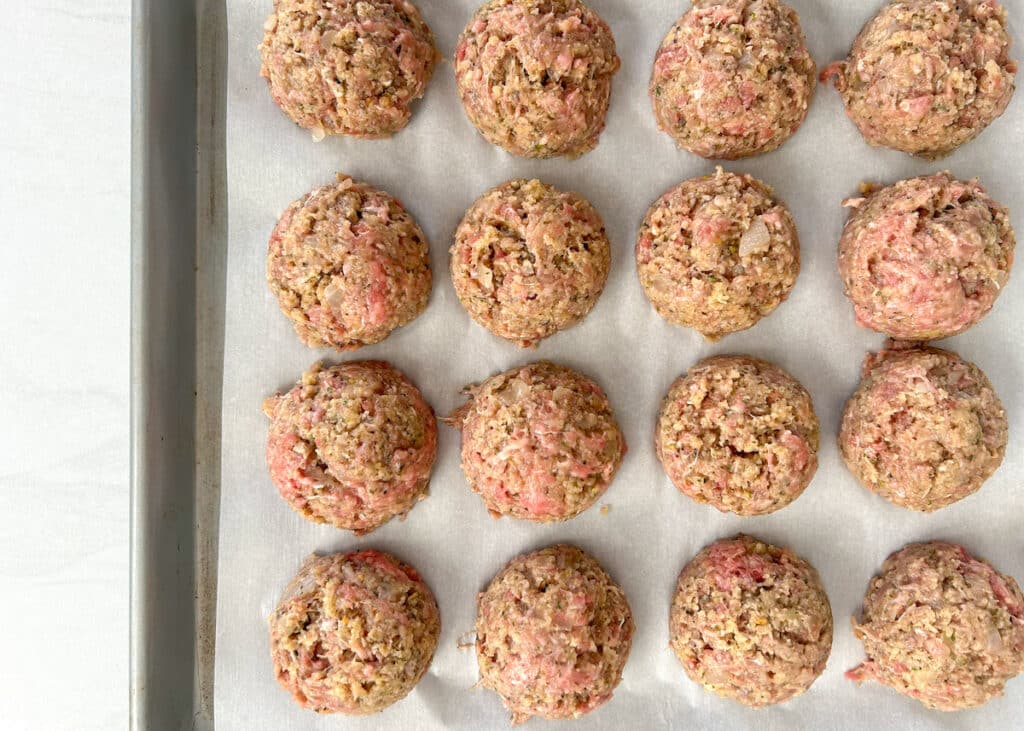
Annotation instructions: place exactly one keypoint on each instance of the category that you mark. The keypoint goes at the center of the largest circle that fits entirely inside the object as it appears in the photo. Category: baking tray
(177, 301)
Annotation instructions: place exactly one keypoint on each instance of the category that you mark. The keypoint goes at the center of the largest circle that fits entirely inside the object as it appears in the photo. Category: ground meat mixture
(348, 265)
(924, 430)
(733, 78)
(353, 633)
(941, 626)
(751, 621)
(738, 434)
(539, 442)
(347, 67)
(529, 260)
(925, 258)
(535, 76)
(553, 632)
(351, 445)
(926, 76)
(718, 253)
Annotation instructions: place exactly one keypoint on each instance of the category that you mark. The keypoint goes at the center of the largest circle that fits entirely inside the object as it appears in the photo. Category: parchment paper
(437, 167)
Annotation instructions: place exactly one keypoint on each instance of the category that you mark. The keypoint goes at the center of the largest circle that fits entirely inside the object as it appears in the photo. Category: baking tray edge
(177, 294)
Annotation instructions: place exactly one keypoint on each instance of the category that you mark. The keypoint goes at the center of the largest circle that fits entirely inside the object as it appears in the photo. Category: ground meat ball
(351, 445)
(553, 633)
(924, 430)
(529, 260)
(539, 442)
(941, 626)
(535, 76)
(348, 265)
(353, 633)
(751, 621)
(925, 258)
(733, 78)
(718, 253)
(926, 76)
(738, 434)
(347, 67)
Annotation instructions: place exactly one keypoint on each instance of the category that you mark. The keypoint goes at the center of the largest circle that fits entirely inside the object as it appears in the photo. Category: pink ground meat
(926, 76)
(535, 76)
(347, 67)
(751, 621)
(926, 258)
(941, 626)
(553, 633)
(348, 265)
(353, 633)
(539, 442)
(352, 445)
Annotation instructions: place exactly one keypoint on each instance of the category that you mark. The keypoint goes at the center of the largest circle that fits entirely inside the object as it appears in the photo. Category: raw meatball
(926, 76)
(353, 633)
(751, 621)
(733, 78)
(535, 76)
(718, 253)
(925, 258)
(553, 632)
(924, 430)
(348, 265)
(347, 67)
(529, 260)
(738, 434)
(539, 442)
(351, 445)
(941, 626)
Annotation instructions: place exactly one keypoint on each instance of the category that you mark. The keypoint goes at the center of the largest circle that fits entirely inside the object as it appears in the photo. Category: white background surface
(64, 199)
(437, 167)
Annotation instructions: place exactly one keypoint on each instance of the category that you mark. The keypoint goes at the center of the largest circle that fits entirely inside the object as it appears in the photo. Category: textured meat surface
(924, 429)
(926, 76)
(925, 258)
(347, 67)
(941, 626)
(348, 265)
(539, 442)
(351, 445)
(529, 260)
(353, 632)
(535, 76)
(733, 78)
(718, 253)
(751, 621)
(739, 434)
(553, 633)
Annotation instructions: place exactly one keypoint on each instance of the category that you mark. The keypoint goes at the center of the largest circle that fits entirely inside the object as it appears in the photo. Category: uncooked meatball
(529, 260)
(348, 266)
(718, 253)
(351, 445)
(733, 78)
(926, 76)
(539, 442)
(353, 633)
(535, 76)
(347, 67)
(553, 633)
(926, 258)
(738, 434)
(751, 621)
(924, 430)
(941, 626)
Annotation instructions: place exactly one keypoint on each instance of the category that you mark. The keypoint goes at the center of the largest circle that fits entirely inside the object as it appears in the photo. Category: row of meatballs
(923, 259)
(353, 445)
(750, 621)
(732, 78)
